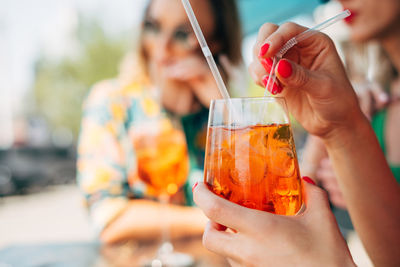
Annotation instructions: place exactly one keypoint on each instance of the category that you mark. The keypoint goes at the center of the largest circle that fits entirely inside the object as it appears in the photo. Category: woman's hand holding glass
(318, 93)
(264, 239)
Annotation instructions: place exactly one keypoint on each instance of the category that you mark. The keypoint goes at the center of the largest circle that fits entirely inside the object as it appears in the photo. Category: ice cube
(247, 169)
(282, 161)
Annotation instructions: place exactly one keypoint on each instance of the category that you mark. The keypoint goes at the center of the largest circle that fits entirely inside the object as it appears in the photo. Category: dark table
(129, 254)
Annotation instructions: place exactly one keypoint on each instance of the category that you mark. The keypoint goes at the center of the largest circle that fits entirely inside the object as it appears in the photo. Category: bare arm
(370, 191)
(143, 220)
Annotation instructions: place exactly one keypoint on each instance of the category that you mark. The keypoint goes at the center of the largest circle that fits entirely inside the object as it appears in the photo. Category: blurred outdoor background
(51, 52)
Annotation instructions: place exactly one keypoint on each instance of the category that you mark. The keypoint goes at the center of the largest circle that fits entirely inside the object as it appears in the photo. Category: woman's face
(168, 36)
(372, 19)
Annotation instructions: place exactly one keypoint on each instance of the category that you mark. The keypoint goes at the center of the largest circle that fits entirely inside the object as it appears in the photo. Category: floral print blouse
(106, 167)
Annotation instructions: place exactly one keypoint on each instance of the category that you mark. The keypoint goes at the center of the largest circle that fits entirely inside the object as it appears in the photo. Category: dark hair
(227, 32)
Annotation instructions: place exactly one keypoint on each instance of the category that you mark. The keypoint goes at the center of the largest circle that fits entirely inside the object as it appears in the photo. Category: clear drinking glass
(163, 165)
(250, 155)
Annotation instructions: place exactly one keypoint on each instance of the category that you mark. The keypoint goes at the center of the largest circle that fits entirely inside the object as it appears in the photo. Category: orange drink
(162, 158)
(254, 164)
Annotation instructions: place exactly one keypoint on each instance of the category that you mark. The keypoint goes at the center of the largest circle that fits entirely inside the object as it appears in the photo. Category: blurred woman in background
(171, 60)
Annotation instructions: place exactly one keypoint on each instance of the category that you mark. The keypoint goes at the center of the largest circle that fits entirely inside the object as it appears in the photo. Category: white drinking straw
(301, 37)
(206, 51)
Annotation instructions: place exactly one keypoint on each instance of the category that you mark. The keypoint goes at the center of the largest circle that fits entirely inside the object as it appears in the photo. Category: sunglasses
(182, 37)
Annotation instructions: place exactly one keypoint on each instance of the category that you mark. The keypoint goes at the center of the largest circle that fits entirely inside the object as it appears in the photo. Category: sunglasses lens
(180, 38)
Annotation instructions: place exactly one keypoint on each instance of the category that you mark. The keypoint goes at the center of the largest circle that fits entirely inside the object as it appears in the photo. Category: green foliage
(61, 85)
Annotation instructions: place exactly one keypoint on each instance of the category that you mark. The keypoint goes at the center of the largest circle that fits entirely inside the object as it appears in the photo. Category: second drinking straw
(301, 37)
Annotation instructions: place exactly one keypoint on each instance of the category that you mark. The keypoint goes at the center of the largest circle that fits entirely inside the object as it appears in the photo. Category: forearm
(143, 220)
(370, 190)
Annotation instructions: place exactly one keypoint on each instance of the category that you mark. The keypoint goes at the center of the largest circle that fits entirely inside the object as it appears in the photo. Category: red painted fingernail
(267, 64)
(194, 186)
(280, 89)
(284, 68)
(308, 180)
(265, 80)
(264, 49)
(276, 89)
(221, 227)
(269, 61)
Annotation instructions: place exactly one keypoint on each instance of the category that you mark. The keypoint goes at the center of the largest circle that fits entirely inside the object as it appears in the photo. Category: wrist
(344, 135)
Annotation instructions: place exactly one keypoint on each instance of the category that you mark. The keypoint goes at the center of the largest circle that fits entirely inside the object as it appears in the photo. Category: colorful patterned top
(106, 158)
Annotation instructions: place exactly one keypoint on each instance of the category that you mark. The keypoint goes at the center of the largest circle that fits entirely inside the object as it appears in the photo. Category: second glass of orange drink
(163, 165)
(250, 155)
(162, 158)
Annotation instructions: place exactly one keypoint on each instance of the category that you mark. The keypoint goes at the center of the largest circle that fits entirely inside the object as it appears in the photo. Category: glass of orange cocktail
(250, 155)
(163, 165)
(162, 158)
